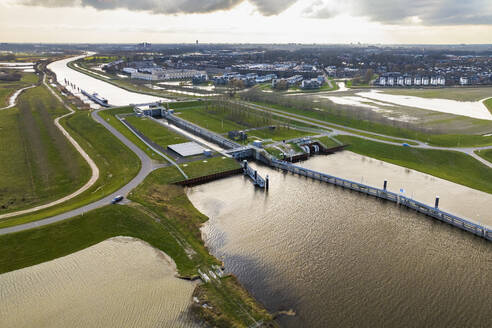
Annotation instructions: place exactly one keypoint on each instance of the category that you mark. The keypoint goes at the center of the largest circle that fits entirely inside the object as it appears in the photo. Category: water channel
(116, 96)
(341, 259)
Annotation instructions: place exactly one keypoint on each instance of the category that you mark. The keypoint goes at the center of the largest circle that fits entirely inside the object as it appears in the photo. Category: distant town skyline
(247, 21)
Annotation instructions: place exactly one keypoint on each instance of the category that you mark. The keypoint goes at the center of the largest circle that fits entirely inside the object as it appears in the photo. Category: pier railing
(401, 200)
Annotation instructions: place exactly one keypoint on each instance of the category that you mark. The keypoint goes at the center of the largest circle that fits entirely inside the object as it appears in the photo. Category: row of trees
(238, 113)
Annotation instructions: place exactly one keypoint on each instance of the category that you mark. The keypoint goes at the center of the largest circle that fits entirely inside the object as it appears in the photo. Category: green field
(209, 166)
(7, 88)
(486, 154)
(221, 121)
(328, 142)
(443, 140)
(456, 93)
(38, 164)
(488, 104)
(453, 166)
(39, 245)
(156, 132)
(210, 121)
(117, 165)
(109, 116)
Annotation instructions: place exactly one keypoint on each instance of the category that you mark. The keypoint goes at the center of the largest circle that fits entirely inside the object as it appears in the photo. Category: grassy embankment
(38, 164)
(109, 116)
(486, 154)
(488, 104)
(449, 165)
(161, 215)
(223, 120)
(156, 132)
(117, 165)
(8, 88)
(443, 140)
(329, 142)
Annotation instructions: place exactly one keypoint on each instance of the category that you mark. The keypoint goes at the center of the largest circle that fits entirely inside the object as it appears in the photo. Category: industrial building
(153, 110)
(188, 149)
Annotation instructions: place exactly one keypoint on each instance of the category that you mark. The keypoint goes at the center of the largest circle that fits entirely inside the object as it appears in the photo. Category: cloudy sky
(234, 21)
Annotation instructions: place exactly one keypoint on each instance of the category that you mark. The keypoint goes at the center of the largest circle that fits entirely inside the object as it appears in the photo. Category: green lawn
(488, 104)
(156, 132)
(209, 166)
(109, 116)
(7, 88)
(279, 133)
(453, 166)
(210, 121)
(328, 142)
(35, 246)
(38, 164)
(224, 121)
(487, 154)
(117, 165)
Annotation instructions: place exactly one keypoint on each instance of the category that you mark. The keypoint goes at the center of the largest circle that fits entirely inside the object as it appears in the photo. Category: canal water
(116, 96)
(342, 259)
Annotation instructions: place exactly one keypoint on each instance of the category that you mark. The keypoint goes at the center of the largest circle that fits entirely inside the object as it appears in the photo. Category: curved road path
(147, 167)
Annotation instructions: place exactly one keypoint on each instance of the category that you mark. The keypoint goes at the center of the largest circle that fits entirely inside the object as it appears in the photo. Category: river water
(120, 282)
(116, 96)
(342, 259)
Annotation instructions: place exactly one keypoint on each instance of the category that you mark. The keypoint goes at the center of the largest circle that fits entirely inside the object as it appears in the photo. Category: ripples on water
(341, 259)
(121, 282)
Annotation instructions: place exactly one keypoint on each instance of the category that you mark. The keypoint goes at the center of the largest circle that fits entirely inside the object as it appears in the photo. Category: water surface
(342, 259)
(121, 282)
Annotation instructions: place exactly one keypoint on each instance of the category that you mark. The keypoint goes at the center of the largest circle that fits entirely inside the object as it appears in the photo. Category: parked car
(117, 199)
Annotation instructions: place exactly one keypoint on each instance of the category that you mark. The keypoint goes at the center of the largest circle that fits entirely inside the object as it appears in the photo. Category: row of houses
(293, 80)
(311, 84)
(159, 74)
(393, 79)
(249, 79)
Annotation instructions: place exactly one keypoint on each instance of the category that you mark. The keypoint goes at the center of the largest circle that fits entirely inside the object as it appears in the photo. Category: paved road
(322, 124)
(147, 167)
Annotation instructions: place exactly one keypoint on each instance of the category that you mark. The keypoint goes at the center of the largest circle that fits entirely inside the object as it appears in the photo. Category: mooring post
(437, 202)
(385, 185)
(267, 182)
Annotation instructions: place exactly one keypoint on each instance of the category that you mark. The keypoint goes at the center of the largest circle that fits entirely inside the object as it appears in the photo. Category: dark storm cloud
(430, 12)
(265, 7)
(401, 12)
(272, 7)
